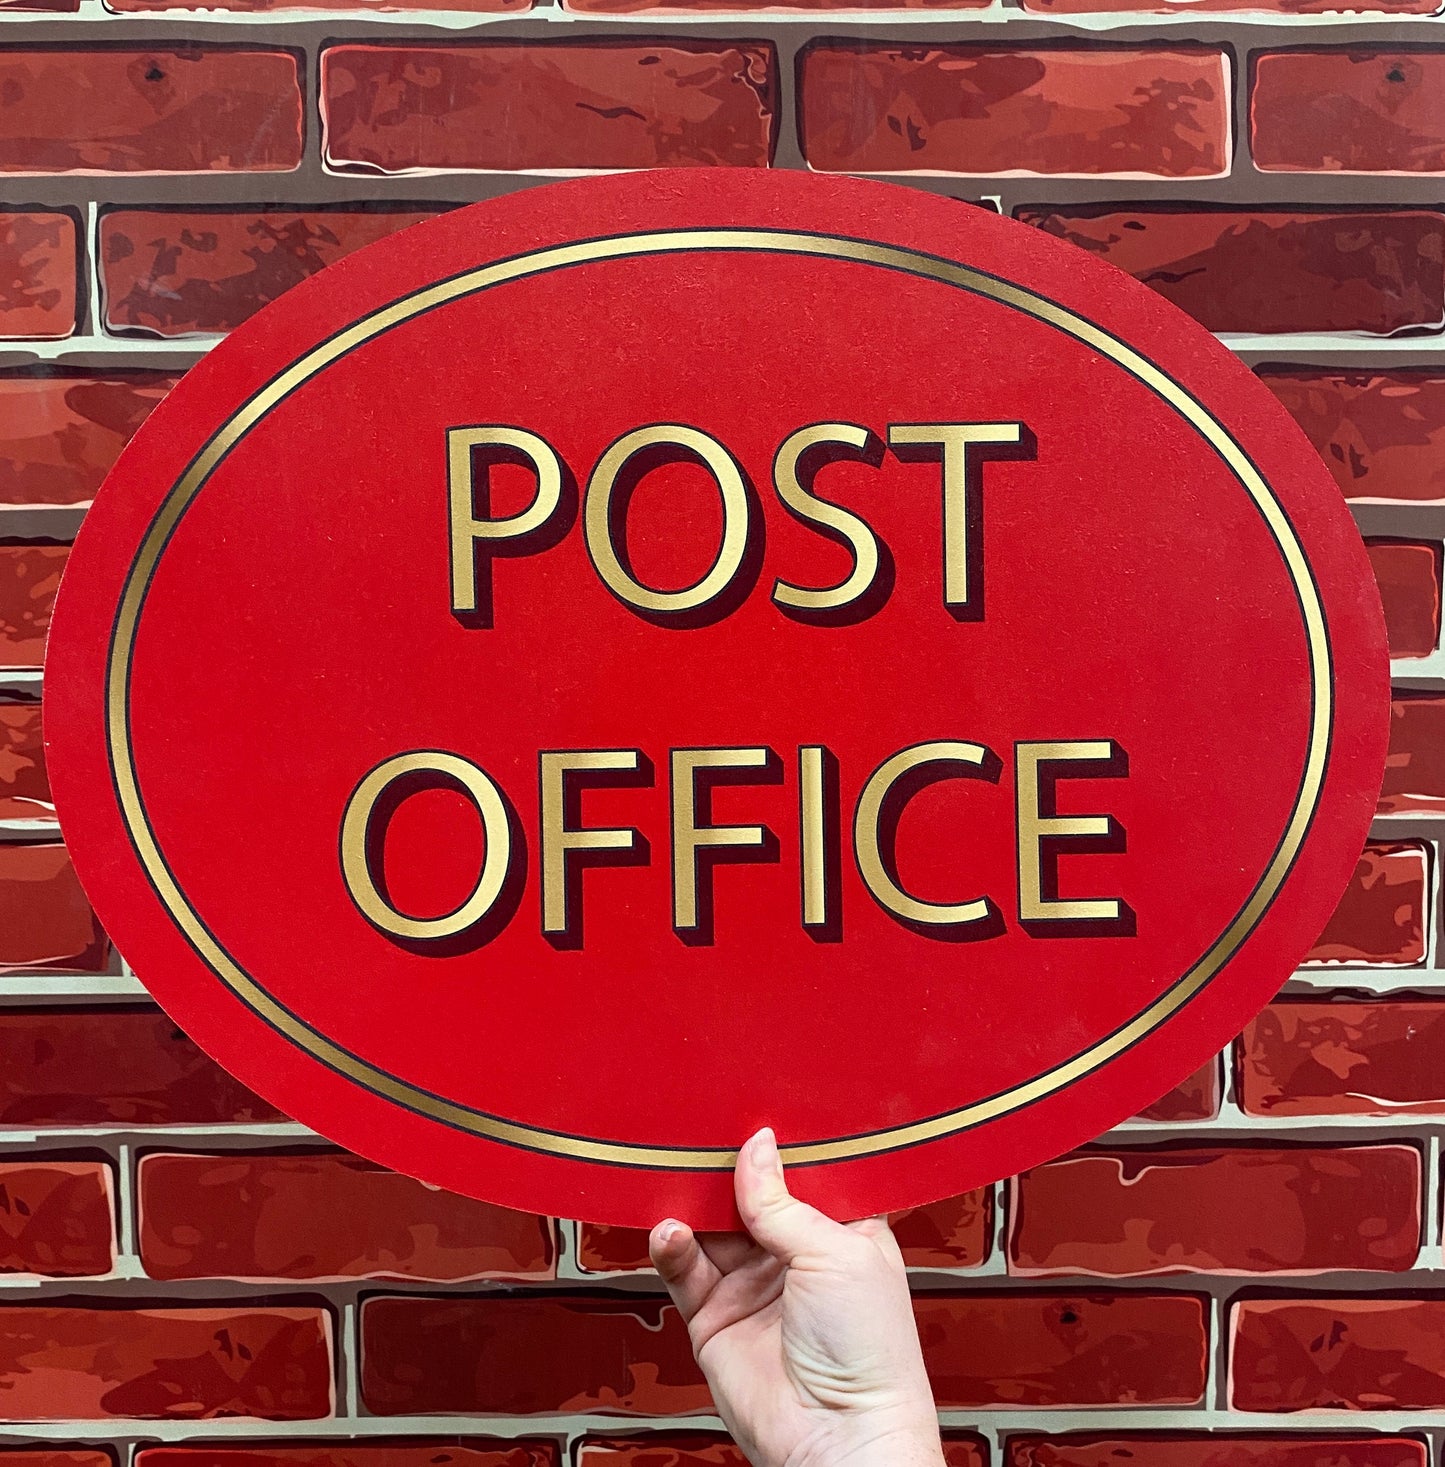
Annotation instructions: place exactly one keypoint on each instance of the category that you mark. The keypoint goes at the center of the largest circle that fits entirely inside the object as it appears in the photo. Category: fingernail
(667, 1231)
(763, 1153)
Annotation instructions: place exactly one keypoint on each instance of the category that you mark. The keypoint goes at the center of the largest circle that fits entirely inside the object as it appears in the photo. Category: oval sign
(657, 655)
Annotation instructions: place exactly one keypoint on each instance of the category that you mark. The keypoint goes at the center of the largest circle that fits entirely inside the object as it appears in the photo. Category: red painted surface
(1357, 111)
(1194, 1099)
(38, 274)
(1381, 918)
(1415, 765)
(676, 1449)
(1151, 1210)
(388, 109)
(796, 7)
(181, 273)
(251, 7)
(527, 1356)
(57, 1219)
(29, 579)
(324, 1215)
(1342, 1057)
(190, 110)
(544, 1125)
(59, 435)
(448, 1452)
(58, 1456)
(1409, 577)
(1215, 7)
(45, 920)
(704, 1449)
(115, 1067)
(954, 1233)
(1273, 271)
(64, 1362)
(976, 110)
(1216, 1449)
(24, 788)
(1382, 434)
(1333, 1353)
(1035, 1350)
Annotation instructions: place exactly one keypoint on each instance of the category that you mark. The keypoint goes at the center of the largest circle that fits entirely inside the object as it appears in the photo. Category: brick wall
(1251, 1274)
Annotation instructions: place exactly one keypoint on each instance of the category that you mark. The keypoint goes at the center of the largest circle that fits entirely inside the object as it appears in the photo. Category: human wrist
(875, 1437)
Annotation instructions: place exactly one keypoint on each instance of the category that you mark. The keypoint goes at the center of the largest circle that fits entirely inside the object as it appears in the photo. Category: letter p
(476, 539)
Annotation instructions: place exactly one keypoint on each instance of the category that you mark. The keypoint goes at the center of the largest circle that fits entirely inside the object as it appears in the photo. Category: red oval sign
(657, 655)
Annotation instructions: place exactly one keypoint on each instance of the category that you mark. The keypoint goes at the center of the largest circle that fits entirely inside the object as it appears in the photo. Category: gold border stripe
(867, 252)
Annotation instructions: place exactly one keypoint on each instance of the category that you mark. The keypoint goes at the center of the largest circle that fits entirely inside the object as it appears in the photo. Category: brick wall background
(1251, 1274)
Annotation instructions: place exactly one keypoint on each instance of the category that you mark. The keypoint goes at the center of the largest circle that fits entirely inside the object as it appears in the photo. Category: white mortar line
(996, 1423)
(127, 1213)
(348, 1359)
(1430, 1254)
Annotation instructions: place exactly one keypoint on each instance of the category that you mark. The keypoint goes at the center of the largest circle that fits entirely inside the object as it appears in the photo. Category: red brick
(57, 1218)
(522, 1356)
(1409, 577)
(1378, 273)
(24, 788)
(796, 7)
(67, 1363)
(675, 1449)
(1408, 574)
(1382, 434)
(1157, 1210)
(45, 919)
(1034, 1350)
(1351, 111)
(1415, 765)
(438, 1452)
(964, 1451)
(605, 1249)
(39, 265)
(1309, 1057)
(59, 435)
(189, 110)
(567, 105)
(324, 1215)
(954, 1233)
(1194, 1099)
(469, 7)
(178, 273)
(113, 1066)
(1360, 1354)
(1194, 7)
(708, 1449)
(1216, 1450)
(29, 579)
(56, 1456)
(1381, 917)
(970, 109)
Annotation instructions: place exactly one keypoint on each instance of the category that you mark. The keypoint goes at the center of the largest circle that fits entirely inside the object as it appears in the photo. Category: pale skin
(804, 1329)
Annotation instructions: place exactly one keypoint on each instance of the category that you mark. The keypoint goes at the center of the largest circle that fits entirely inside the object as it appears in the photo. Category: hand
(805, 1330)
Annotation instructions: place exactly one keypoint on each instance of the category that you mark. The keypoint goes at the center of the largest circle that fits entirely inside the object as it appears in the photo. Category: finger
(687, 1271)
(785, 1227)
(727, 1250)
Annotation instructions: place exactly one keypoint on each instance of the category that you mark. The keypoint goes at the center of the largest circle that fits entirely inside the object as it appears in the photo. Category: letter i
(821, 854)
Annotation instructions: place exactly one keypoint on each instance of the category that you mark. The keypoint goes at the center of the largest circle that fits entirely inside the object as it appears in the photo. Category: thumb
(779, 1223)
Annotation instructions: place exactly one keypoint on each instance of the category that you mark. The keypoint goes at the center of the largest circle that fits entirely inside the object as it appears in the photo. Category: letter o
(597, 519)
(424, 769)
